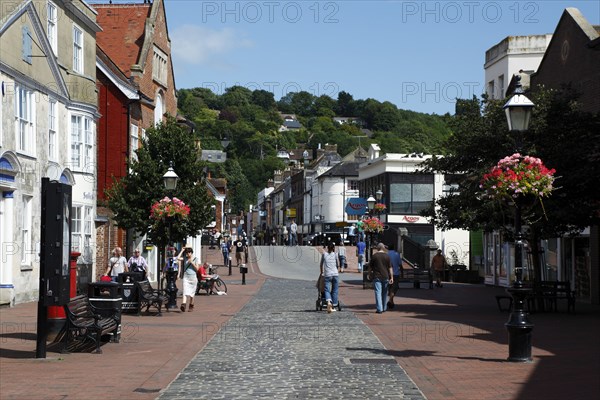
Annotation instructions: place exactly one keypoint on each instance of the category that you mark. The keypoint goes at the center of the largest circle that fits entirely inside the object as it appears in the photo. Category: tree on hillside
(132, 197)
(264, 99)
(236, 96)
(345, 106)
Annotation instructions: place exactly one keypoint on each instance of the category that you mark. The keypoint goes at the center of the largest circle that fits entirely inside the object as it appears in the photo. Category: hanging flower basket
(169, 208)
(517, 176)
(379, 208)
(373, 225)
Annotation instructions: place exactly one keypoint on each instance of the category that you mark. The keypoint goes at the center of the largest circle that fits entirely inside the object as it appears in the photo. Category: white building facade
(406, 194)
(511, 55)
(48, 114)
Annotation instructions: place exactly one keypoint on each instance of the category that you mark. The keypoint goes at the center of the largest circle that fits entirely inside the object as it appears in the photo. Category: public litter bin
(130, 296)
(106, 297)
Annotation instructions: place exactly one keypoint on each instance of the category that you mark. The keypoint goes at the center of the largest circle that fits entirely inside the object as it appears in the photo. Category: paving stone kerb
(278, 346)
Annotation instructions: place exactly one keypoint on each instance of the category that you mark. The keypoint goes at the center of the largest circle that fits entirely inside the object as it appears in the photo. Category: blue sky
(420, 55)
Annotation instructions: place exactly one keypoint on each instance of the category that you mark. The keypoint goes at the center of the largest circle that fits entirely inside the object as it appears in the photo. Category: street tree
(562, 135)
(132, 197)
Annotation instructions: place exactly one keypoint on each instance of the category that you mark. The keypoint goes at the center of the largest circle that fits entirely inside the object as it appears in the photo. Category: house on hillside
(48, 117)
(290, 123)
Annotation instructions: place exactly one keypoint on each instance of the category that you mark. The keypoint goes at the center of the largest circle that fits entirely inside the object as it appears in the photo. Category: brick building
(137, 91)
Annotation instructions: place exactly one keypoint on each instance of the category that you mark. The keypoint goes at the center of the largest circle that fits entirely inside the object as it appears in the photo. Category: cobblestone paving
(279, 347)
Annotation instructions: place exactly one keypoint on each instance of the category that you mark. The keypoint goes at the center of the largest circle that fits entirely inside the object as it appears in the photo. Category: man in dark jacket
(380, 270)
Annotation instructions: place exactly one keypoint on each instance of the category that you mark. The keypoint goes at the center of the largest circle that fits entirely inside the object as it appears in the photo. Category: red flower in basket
(518, 175)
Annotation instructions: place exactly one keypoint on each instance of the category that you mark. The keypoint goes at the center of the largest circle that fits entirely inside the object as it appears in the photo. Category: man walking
(360, 253)
(438, 264)
(293, 233)
(380, 269)
(396, 261)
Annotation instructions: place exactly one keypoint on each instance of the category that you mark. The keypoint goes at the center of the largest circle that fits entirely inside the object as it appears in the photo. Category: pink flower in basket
(169, 208)
(518, 175)
(373, 225)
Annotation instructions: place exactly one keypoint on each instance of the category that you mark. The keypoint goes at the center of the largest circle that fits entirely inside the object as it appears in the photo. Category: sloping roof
(123, 32)
(344, 168)
(115, 75)
(292, 124)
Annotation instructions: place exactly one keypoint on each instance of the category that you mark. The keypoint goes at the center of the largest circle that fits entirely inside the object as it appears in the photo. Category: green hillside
(251, 119)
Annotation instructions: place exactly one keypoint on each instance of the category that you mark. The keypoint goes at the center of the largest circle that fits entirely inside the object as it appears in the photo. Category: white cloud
(198, 45)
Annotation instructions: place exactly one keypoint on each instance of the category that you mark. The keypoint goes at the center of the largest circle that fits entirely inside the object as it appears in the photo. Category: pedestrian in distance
(381, 273)
(117, 264)
(360, 230)
(239, 247)
(360, 254)
(284, 236)
(342, 256)
(352, 234)
(330, 268)
(189, 274)
(137, 263)
(438, 264)
(225, 251)
(293, 233)
(396, 261)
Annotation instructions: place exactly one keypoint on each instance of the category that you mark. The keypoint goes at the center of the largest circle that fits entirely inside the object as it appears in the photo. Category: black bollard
(243, 270)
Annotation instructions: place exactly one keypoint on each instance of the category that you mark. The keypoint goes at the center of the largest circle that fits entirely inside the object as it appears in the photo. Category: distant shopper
(438, 264)
(352, 234)
(330, 272)
(342, 256)
(360, 254)
(137, 263)
(117, 264)
(380, 270)
(293, 233)
(225, 251)
(239, 246)
(396, 261)
(360, 230)
(189, 274)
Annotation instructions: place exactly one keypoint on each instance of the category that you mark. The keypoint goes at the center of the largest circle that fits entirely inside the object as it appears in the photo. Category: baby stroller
(321, 303)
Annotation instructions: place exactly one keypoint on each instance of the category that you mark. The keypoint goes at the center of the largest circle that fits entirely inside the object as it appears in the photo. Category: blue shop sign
(356, 206)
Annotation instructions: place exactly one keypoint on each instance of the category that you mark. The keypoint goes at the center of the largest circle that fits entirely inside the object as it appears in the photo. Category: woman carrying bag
(189, 275)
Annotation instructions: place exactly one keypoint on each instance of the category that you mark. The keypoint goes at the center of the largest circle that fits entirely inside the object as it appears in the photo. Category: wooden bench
(416, 276)
(548, 293)
(84, 322)
(150, 297)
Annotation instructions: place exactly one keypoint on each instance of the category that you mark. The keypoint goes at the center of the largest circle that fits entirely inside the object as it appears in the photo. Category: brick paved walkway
(451, 342)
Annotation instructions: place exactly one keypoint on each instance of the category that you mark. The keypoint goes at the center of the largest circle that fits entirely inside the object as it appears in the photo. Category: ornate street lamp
(518, 114)
(170, 179)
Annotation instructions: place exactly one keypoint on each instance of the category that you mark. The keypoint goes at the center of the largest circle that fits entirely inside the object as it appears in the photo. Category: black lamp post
(170, 179)
(518, 114)
(371, 201)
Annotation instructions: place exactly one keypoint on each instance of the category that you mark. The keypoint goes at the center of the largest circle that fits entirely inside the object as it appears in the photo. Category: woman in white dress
(189, 275)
